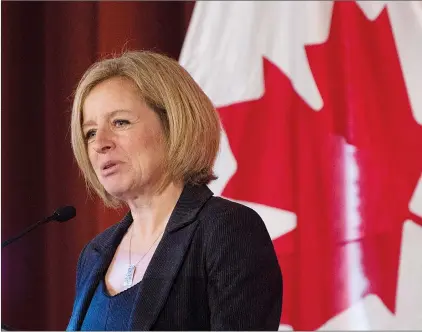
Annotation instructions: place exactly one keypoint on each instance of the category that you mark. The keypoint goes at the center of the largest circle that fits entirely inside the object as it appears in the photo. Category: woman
(145, 135)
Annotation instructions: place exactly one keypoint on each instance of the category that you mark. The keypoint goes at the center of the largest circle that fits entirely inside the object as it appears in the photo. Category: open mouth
(108, 165)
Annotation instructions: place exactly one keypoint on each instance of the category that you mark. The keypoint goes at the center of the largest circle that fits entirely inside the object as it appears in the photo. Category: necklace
(130, 273)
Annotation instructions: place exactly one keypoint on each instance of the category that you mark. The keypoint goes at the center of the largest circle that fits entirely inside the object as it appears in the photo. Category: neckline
(106, 293)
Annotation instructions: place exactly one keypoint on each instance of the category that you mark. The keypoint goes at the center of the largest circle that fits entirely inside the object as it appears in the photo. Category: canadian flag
(321, 106)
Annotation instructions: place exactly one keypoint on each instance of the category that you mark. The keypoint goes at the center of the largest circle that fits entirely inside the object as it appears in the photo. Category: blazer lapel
(85, 293)
(100, 257)
(168, 257)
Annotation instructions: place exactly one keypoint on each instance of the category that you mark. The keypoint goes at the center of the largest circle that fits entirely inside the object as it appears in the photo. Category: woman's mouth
(109, 168)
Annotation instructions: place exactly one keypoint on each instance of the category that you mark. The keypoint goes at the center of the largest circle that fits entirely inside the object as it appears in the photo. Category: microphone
(62, 214)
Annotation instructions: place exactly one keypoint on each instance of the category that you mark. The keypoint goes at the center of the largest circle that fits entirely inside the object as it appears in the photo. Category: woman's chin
(124, 193)
(118, 192)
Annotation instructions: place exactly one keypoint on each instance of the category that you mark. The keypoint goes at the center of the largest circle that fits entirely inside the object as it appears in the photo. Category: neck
(151, 213)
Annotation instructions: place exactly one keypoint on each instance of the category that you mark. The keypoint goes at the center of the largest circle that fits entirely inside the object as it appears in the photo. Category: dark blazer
(214, 269)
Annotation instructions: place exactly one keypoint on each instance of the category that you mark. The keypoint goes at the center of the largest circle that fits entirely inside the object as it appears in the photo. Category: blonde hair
(190, 123)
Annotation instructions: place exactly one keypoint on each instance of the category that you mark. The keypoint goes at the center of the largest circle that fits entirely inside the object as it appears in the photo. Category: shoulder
(236, 239)
(226, 217)
(222, 208)
(103, 237)
(108, 238)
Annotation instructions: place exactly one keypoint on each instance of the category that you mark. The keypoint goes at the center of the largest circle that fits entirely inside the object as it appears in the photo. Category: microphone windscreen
(64, 213)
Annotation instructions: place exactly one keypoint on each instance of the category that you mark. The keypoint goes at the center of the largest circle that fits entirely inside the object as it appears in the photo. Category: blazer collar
(187, 207)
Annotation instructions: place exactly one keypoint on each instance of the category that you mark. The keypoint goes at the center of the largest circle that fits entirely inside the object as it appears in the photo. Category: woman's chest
(126, 270)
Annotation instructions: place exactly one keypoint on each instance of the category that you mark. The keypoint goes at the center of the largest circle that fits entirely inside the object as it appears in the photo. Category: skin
(126, 149)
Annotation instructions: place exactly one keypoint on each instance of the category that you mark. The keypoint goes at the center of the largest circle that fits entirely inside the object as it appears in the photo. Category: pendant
(129, 276)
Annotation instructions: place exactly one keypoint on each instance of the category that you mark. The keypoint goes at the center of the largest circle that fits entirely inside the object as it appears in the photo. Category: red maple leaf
(293, 158)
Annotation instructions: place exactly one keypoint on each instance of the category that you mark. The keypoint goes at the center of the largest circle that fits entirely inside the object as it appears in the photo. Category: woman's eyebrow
(111, 114)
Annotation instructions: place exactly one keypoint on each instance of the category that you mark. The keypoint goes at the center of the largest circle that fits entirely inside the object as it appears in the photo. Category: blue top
(110, 313)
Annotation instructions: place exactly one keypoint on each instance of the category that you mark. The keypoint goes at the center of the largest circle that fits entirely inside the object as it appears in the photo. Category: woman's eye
(90, 134)
(121, 123)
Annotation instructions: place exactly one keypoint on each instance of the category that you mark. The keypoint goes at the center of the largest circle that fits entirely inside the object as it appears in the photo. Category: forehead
(117, 93)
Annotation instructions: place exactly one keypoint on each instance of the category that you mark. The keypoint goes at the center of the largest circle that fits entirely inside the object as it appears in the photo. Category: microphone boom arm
(62, 214)
(30, 228)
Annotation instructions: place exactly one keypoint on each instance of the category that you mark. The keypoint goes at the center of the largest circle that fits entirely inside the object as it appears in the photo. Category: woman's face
(124, 139)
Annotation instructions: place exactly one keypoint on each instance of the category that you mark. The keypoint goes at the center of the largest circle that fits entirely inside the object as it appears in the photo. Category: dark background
(46, 47)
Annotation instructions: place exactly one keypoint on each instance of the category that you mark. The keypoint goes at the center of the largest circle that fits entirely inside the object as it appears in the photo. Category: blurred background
(321, 107)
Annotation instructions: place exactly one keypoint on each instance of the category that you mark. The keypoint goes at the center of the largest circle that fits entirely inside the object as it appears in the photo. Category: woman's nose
(103, 141)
